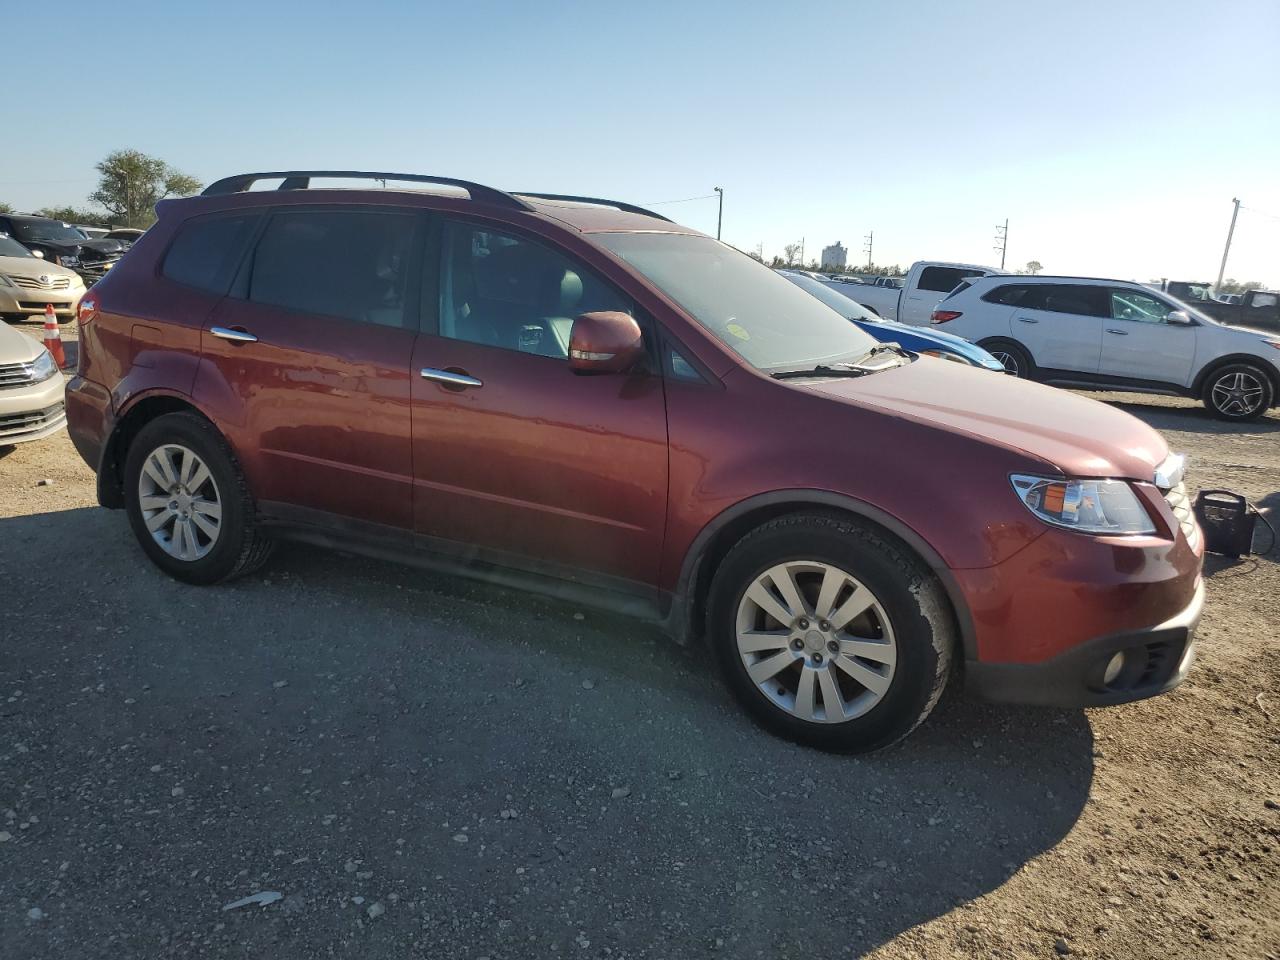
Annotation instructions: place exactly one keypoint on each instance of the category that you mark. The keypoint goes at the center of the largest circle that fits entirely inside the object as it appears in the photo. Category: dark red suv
(580, 397)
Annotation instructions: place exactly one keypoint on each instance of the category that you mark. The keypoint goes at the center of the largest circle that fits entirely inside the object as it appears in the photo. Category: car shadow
(1192, 416)
(335, 727)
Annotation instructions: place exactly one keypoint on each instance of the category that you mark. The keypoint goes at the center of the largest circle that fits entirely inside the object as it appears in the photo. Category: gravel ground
(417, 766)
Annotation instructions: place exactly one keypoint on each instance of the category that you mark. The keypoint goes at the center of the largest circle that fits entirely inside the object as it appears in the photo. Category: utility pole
(866, 246)
(1002, 240)
(1235, 211)
(720, 213)
(802, 261)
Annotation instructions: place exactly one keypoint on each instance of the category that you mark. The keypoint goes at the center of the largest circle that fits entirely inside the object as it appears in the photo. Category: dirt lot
(425, 767)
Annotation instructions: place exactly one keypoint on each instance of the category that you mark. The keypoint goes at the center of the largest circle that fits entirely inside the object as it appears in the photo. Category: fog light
(1114, 666)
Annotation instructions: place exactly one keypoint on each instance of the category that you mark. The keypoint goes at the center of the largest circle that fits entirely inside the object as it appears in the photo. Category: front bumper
(1157, 659)
(30, 302)
(32, 412)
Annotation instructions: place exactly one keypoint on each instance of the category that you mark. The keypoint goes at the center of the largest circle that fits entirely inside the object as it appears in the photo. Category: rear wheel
(829, 634)
(1014, 358)
(1238, 391)
(188, 502)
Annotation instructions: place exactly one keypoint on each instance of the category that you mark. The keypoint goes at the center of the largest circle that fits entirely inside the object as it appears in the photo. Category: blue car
(933, 343)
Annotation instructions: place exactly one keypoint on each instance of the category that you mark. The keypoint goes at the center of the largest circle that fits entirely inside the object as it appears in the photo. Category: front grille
(1180, 504)
(18, 423)
(16, 374)
(33, 283)
(39, 305)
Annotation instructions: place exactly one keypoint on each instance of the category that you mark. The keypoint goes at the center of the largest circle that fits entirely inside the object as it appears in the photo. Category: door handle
(1028, 320)
(234, 335)
(1118, 333)
(450, 378)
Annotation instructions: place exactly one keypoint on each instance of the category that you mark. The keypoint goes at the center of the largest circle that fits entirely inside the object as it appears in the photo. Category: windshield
(761, 316)
(832, 297)
(29, 230)
(11, 248)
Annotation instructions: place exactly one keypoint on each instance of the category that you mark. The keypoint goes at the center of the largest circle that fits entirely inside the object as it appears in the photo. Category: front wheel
(188, 502)
(1012, 357)
(1238, 391)
(829, 633)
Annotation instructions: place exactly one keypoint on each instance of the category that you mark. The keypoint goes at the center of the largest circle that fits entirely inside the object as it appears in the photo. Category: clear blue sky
(1112, 135)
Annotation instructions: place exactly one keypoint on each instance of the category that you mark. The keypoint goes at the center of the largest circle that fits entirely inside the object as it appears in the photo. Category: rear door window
(1070, 298)
(351, 264)
(206, 251)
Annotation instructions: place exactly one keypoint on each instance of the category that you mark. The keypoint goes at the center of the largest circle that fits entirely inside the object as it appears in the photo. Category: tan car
(31, 389)
(28, 283)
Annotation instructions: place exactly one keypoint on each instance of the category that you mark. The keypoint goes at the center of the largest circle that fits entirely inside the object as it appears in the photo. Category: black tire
(1013, 355)
(241, 545)
(1224, 406)
(916, 605)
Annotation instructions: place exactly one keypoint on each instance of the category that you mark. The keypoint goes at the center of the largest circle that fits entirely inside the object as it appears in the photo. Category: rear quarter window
(1009, 294)
(206, 250)
(944, 279)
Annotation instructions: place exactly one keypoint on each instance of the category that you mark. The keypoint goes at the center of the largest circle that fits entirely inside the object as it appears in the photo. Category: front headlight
(945, 355)
(43, 367)
(1089, 506)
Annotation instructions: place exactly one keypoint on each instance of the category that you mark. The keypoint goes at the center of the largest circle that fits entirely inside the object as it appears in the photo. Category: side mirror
(604, 342)
(1179, 318)
(38, 253)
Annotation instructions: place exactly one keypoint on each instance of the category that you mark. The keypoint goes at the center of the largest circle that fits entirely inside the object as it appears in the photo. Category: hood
(16, 347)
(103, 245)
(928, 333)
(1081, 437)
(34, 267)
(1252, 334)
(928, 338)
(61, 246)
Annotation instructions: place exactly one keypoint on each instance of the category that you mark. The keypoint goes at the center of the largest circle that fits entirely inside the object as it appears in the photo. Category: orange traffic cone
(53, 339)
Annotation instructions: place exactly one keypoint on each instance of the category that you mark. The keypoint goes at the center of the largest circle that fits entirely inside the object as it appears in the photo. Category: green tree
(1238, 286)
(93, 218)
(5, 208)
(133, 183)
(1034, 267)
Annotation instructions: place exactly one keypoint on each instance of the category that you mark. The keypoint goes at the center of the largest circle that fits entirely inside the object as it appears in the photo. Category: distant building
(834, 256)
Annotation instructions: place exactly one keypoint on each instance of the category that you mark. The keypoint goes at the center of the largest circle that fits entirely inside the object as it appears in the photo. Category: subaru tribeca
(581, 397)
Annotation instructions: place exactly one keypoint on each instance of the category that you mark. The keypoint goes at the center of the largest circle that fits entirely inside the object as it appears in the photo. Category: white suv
(1115, 335)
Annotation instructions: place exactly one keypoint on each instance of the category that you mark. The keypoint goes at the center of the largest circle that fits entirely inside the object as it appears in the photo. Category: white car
(1115, 335)
(31, 389)
(914, 296)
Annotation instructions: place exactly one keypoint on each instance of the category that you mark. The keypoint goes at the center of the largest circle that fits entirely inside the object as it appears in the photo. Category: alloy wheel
(816, 641)
(1237, 394)
(179, 501)
(1009, 362)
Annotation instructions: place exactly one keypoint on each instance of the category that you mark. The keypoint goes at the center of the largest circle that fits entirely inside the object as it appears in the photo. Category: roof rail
(616, 204)
(301, 180)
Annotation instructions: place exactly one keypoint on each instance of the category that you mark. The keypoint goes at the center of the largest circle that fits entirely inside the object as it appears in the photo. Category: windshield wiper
(879, 348)
(821, 370)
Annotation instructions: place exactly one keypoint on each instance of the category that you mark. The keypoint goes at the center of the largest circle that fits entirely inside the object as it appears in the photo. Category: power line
(1261, 213)
(658, 203)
